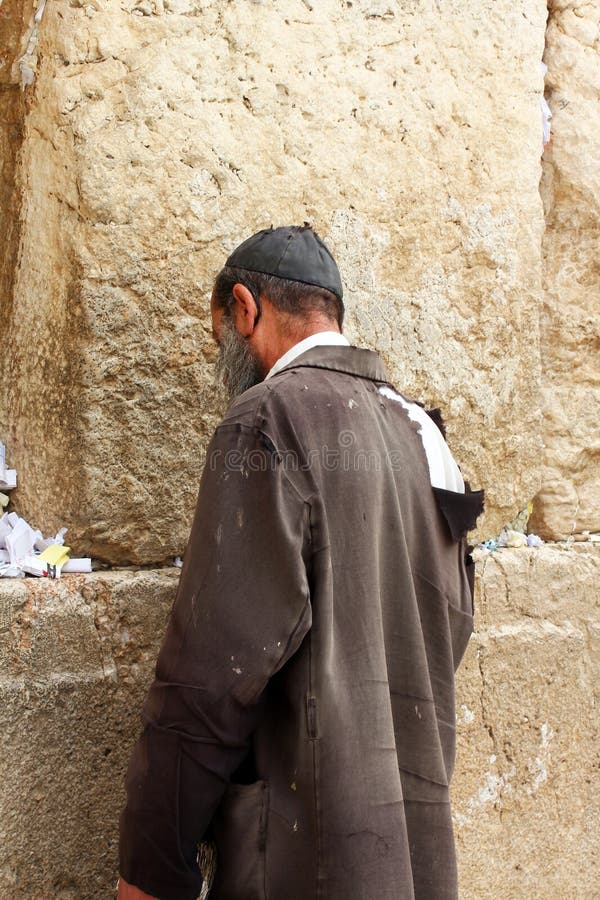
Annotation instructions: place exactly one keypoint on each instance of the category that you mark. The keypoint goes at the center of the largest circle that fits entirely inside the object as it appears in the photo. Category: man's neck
(316, 338)
(289, 337)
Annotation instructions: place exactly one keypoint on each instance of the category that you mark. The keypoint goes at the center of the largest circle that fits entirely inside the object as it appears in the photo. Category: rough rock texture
(161, 133)
(525, 803)
(569, 501)
(76, 657)
(13, 31)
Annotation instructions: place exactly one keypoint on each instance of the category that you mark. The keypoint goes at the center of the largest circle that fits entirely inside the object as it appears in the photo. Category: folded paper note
(55, 555)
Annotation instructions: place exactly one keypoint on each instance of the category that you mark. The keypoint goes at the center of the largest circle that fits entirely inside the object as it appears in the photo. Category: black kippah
(295, 252)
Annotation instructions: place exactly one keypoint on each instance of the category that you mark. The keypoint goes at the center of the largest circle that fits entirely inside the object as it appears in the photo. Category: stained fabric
(302, 714)
(320, 339)
(460, 512)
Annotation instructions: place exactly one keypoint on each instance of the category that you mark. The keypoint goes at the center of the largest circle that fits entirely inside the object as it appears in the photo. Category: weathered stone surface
(517, 585)
(13, 30)
(160, 134)
(76, 658)
(525, 809)
(569, 501)
(524, 804)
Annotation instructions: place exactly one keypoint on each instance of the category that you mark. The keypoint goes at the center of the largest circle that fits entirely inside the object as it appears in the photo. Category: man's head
(278, 287)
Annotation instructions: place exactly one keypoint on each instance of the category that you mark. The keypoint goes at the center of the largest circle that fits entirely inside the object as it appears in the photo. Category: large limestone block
(569, 501)
(525, 807)
(161, 134)
(515, 585)
(75, 661)
(76, 658)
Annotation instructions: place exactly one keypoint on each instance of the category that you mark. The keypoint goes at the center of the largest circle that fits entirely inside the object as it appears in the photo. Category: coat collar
(351, 360)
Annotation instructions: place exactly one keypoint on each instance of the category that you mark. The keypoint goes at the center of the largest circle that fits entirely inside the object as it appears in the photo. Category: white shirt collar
(320, 339)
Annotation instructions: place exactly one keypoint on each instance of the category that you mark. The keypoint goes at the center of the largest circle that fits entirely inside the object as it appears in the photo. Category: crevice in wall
(14, 27)
(566, 506)
(486, 719)
(19, 27)
(545, 184)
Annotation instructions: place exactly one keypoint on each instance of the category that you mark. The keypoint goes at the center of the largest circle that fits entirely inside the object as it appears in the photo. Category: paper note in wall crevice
(8, 477)
(9, 481)
(55, 555)
(79, 566)
(33, 565)
(20, 541)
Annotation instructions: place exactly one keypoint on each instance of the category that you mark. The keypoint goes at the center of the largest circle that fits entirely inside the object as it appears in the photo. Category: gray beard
(236, 366)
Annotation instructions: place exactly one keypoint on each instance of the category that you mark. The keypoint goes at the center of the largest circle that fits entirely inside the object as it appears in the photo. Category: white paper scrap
(8, 481)
(59, 537)
(5, 529)
(78, 565)
(41, 543)
(20, 541)
(8, 571)
(33, 565)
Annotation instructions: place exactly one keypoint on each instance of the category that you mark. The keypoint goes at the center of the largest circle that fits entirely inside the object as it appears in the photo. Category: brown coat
(324, 605)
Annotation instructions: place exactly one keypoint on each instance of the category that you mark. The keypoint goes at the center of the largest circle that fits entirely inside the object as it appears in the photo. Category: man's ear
(245, 311)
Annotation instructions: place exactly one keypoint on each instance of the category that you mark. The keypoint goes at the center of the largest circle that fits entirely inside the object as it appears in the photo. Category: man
(302, 715)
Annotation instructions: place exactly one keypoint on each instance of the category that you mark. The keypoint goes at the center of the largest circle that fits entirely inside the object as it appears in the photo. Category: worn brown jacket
(324, 605)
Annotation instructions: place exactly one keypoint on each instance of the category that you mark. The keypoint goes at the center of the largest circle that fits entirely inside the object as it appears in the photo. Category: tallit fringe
(207, 861)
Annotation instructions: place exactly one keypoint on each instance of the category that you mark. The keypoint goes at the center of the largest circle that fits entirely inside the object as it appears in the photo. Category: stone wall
(158, 135)
(13, 28)
(569, 501)
(143, 139)
(526, 806)
(76, 657)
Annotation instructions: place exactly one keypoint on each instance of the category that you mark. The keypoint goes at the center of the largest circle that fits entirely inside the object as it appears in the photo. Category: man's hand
(127, 891)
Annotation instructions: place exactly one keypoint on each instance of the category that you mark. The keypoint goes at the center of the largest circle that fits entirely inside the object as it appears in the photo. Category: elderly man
(302, 717)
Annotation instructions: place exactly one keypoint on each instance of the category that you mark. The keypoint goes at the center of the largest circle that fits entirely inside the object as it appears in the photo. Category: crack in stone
(487, 724)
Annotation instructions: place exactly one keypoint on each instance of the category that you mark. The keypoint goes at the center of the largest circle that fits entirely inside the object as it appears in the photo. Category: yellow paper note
(55, 555)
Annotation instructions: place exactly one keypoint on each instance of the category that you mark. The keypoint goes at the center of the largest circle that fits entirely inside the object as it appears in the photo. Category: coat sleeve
(241, 611)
